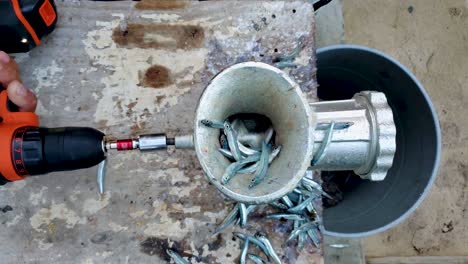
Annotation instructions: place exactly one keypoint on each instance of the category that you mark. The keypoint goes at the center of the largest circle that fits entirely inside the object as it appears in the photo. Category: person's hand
(10, 79)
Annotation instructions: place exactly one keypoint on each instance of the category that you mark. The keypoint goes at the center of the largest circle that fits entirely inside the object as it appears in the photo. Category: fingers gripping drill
(27, 149)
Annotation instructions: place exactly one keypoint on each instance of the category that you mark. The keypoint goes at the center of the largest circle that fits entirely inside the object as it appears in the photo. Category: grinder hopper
(259, 88)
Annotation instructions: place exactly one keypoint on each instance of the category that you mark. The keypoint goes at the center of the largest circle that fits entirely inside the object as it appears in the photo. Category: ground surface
(431, 39)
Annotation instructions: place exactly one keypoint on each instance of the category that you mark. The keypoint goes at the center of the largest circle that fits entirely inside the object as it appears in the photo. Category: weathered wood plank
(93, 71)
(420, 260)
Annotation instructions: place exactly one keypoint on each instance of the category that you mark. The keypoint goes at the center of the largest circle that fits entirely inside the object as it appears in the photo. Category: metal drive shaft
(150, 142)
(147, 142)
(143, 143)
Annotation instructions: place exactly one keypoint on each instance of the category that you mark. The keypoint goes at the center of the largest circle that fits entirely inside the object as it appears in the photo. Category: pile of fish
(297, 206)
(246, 160)
(261, 241)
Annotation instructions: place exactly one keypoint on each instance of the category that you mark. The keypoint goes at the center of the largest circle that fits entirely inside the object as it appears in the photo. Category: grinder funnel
(258, 88)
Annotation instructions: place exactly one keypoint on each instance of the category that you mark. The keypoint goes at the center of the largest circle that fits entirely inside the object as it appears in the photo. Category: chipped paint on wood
(158, 18)
(165, 224)
(93, 205)
(43, 245)
(35, 198)
(101, 79)
(56, 211)
(14, 221)
(48, 76)
(15, 186)
(162, 5)
(121, 86)
(116, 227)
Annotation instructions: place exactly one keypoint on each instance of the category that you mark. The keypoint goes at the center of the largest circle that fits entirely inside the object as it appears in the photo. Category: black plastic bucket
(373, 207)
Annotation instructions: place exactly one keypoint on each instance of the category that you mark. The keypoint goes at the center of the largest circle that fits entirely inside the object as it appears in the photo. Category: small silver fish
(250, 208)
(226, 153)
(300, 199)
(311, 183)
(232, 141)
(285, 64)
(212, 124)
(278, 205)
(176, 257)
(323, 147)
(256, 259)
(301, 241)
(233, 168)
(244, 251)
(271, 251)
(295, 217)
(338, 245)
(229, 155)
(306, 182)
(291, 56)
(287, 201)
(308, 192)
(314, 236)
(261, 171)
(338, 125)
(274, 153)
(230, 218)
(243, 214)
(253, 167)
(252, 239)
(245, 150)
(269, 134)
(301, 229)
(300, 207)
(296, 224)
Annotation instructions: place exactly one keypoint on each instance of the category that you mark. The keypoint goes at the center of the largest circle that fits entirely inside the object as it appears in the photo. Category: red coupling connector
(122, 144)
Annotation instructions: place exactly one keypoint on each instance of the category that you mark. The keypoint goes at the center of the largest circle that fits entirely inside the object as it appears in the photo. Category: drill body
(24, 22)
(26, 149)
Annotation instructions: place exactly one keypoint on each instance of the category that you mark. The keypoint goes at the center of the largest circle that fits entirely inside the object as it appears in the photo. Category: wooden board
(128, 71)
(419, 260)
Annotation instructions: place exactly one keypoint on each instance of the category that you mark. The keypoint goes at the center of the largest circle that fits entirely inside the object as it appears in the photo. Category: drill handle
(10, 123)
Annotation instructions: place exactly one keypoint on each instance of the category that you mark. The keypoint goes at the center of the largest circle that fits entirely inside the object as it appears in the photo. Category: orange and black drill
(26, 149)
(24, 22)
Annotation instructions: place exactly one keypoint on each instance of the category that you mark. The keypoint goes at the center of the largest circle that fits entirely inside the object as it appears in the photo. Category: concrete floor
(430, 37)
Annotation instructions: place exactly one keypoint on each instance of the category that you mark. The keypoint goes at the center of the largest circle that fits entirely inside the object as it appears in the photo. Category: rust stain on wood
(169, 37)
(156, 76)
(161, 4)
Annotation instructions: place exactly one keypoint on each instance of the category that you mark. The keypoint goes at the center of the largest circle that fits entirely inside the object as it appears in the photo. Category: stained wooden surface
(128, 71)
(420, 260)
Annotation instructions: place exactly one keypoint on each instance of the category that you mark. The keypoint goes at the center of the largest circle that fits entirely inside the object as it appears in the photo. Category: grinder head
(259, 88)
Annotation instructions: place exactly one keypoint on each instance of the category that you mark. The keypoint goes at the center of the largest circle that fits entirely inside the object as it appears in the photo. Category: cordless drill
(24, 22)
(26, 149)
